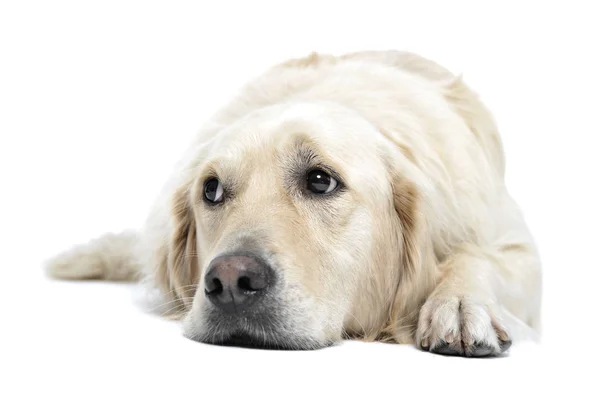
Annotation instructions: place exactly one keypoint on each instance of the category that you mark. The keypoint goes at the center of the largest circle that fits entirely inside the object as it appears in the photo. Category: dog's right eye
(213, 191)
(320, 182)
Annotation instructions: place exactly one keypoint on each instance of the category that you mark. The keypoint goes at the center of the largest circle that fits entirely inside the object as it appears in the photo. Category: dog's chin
(246, 340)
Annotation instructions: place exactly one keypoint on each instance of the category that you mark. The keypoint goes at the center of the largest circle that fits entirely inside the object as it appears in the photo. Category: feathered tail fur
(108, 257)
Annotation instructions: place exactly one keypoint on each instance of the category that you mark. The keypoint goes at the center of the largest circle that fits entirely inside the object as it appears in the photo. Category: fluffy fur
(424, 245)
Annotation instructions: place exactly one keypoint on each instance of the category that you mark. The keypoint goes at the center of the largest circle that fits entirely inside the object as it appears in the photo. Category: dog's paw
(459, 326)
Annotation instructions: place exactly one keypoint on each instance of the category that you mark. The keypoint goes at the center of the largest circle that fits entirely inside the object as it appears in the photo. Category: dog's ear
(408, 208)
(182, 259)
(416, 277)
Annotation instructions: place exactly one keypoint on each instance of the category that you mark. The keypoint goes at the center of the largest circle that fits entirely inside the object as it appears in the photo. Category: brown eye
(213, 191)
(320, 182)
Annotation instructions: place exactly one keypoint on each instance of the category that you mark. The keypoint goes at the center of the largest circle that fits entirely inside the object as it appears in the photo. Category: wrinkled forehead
(276, 135)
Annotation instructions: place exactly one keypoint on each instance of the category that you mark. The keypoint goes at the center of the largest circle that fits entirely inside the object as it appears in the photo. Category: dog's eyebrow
(304, 152)
(305, 156)
(217, 168)
(210, 169)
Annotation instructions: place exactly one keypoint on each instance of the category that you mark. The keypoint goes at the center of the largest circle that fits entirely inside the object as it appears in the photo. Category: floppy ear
(406, 204)
(417, 260)
(182, 259)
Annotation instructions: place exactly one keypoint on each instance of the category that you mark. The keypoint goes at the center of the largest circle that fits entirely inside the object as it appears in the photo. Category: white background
(98, 99)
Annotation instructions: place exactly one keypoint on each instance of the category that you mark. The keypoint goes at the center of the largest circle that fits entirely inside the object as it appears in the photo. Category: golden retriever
(359, 196)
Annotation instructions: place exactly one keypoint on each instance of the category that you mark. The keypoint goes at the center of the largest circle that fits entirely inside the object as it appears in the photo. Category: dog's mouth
(261, 328)
(246, 340)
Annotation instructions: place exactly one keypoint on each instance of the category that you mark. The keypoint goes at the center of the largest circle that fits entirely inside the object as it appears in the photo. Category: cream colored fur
(425, 245)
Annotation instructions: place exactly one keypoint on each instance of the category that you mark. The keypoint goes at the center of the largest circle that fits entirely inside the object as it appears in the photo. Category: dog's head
(297, 225)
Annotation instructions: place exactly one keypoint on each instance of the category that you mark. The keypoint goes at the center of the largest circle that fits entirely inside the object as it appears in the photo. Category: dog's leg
(485, 298)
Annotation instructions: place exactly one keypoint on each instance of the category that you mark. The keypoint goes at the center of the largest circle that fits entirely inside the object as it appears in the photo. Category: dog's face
(292, 234)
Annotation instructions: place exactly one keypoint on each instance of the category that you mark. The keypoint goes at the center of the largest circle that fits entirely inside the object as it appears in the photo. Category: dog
(359, 196)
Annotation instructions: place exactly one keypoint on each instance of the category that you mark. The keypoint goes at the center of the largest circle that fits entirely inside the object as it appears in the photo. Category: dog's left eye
(320, 182)
(213, 191)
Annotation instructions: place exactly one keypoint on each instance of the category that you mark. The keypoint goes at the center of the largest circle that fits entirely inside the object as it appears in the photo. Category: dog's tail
(109, 257)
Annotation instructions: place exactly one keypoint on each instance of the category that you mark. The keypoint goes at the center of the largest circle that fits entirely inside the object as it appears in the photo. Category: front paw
(459, 326)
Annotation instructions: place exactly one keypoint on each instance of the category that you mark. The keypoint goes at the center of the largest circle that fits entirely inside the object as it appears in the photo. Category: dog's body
(416, 241)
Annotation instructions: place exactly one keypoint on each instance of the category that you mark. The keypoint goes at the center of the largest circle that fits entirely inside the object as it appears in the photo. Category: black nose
(234, 282)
